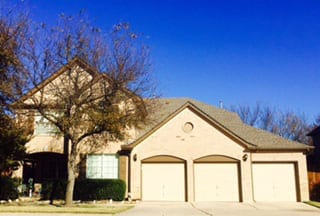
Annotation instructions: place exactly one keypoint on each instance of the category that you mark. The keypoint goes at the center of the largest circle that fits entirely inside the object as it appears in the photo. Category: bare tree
(100, 101)
(267, 119)
(13, 28)
(286, 124)
(249, 115)
(293, 126)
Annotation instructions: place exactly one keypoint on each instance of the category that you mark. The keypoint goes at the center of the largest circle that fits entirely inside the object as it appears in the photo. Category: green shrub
(87, 189)
(55, 189)
(8, 188)
(100, 189)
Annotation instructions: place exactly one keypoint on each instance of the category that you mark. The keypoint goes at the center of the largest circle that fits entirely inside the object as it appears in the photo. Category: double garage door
(218, 182)
(212, 182)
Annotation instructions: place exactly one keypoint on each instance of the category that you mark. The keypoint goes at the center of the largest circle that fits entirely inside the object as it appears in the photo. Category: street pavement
(207, 209)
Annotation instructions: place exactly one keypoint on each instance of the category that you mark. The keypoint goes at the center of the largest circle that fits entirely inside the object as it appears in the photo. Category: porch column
(123, 170)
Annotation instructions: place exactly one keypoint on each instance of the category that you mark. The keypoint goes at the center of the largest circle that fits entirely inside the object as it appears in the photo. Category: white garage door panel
(163, 182)
(274, 182)
(216, 182)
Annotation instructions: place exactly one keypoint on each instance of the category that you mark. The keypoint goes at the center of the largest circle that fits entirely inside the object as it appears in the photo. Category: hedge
(51, 190)
(8, 188)
(87, 189)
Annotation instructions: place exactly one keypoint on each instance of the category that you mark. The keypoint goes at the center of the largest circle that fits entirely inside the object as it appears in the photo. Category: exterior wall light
(245, 157)
(135, 157)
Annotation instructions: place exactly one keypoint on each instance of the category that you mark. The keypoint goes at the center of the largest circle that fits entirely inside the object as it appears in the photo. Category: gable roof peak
(76, 61)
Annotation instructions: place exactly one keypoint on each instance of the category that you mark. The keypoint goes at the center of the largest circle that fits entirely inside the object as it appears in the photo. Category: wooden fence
(314, 185)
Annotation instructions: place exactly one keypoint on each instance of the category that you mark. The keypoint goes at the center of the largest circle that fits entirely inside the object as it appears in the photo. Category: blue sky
(238, 52)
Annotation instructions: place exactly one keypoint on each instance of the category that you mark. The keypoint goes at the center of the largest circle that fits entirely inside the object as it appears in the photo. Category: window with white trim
(43, 126)
(102, 166)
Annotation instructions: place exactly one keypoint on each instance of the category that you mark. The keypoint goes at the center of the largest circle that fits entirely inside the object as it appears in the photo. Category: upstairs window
(103, 166)
(43, 126)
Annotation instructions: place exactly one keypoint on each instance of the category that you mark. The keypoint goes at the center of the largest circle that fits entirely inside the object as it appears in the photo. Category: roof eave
(300, 149)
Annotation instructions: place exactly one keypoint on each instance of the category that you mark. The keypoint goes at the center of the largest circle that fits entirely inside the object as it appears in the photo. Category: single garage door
(216, 182)
(274, 182)
(163, 181)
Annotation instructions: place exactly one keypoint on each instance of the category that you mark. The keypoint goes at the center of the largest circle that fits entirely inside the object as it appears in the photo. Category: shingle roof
(252, 138)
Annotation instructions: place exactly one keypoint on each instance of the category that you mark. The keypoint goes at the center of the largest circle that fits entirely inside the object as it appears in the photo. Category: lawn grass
(313, 203)
(76, 209)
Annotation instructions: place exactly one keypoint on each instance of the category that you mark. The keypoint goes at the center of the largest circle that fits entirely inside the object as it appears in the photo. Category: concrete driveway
(221, 209)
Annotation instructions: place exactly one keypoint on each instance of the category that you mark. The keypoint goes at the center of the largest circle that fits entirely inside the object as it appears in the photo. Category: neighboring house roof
(228, 122)
(315, 131)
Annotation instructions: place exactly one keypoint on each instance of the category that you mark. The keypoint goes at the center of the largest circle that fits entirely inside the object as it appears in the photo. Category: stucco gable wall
(203, 140)
(170, 139)
(50, 89)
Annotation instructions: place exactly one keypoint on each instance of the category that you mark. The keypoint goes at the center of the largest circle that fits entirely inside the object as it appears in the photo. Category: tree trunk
(66, 145)
(71, 181)
(66, 154)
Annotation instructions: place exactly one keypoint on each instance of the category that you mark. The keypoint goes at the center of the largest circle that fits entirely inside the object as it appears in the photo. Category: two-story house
(190, 152)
